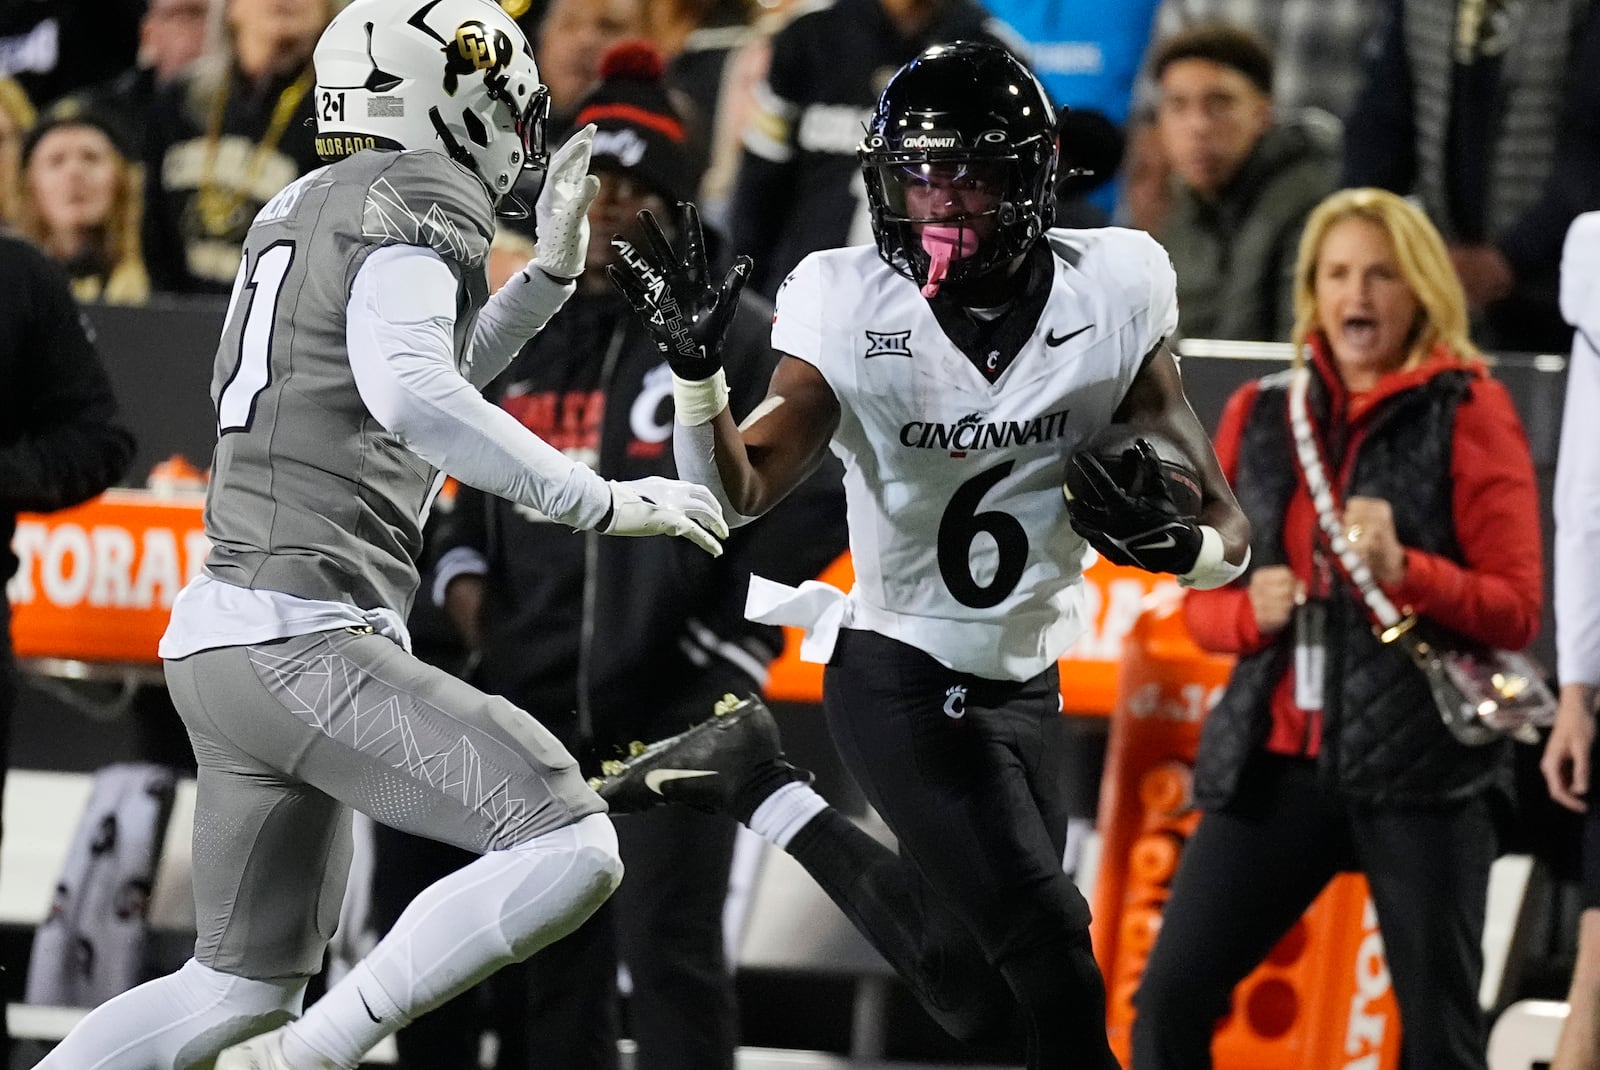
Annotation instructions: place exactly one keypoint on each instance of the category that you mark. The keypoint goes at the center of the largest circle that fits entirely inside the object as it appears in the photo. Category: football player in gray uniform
(346, 384)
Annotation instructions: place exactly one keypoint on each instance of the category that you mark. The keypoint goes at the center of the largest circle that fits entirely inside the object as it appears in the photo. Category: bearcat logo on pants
(475, 48)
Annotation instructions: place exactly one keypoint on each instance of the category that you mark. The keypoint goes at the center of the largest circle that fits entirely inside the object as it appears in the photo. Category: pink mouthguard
(944, 244)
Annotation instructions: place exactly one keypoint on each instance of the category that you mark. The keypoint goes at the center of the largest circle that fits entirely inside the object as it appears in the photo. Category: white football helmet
(415, 74)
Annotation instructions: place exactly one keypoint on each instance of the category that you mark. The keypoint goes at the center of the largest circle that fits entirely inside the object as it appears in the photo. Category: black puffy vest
(1383, 741)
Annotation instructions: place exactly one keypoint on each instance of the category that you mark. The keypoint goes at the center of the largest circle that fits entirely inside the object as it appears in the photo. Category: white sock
(180, 1021)
(499, 909)
(785, 812)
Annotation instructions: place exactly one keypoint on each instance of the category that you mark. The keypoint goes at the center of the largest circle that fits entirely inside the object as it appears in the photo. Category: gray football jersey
(309, 495)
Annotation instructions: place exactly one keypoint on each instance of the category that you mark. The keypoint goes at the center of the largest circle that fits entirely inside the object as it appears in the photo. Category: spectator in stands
(1489, 113)
(1326, 752)
(81, 202)
(172, 35)
(631, 642)
(1243, 182)
(799, 187)
(1317, 46)
(60, 443)
(16, 117)
(1570, 755)
(573, 35)
(224, 137)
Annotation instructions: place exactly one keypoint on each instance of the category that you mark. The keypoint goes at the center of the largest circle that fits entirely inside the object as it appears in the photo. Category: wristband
(697, 401)
(1210, 569)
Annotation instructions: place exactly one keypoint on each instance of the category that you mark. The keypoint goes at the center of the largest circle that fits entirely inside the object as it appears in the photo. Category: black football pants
(974, 911)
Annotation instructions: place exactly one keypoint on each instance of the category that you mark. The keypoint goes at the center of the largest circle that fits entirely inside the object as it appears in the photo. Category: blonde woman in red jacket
(1325, 753)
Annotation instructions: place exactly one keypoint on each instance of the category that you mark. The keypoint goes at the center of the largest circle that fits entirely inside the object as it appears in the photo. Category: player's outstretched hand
(656, 505)
(1134, 525)
(673, 296)
(561, 214)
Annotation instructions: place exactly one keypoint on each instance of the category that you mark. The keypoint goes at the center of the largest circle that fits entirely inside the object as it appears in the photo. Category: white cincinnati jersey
(958, 527)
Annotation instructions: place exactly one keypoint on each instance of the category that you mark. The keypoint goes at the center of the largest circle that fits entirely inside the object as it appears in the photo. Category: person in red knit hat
(1326, 753)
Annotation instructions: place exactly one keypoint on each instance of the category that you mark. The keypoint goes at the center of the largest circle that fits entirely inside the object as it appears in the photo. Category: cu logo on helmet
(476, 48)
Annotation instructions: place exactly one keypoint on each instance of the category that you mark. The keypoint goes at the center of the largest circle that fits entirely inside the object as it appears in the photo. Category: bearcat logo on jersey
(974, 432)
(475, 48)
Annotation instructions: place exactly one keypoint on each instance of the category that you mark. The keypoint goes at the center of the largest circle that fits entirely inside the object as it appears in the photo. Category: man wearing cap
(631, 641)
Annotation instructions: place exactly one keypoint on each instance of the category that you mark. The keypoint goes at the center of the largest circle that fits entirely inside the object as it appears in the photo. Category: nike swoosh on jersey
(1051, 338)
(657, 777)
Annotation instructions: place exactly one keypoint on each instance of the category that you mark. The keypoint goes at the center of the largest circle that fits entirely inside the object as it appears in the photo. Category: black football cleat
(704, 766)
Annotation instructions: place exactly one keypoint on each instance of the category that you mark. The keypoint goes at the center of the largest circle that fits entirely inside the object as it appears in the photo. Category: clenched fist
(1274, 592)
(1369, 529)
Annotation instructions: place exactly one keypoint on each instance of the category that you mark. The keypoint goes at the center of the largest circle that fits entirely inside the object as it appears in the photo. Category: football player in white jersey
(954, 369)
(346, 383)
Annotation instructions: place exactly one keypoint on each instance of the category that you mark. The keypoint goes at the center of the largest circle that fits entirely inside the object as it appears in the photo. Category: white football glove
(656, 505)
(561, 214)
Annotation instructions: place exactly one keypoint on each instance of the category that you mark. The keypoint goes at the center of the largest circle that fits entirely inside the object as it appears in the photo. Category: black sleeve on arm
(1380, 143)
(70, 448)
(1534, 241)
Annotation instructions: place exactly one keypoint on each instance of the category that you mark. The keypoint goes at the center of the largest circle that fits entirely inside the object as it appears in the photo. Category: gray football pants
(292, 734)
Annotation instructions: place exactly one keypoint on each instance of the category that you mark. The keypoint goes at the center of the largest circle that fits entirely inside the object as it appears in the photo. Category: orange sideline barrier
(1116, 595)
(1322, 998)
(96, 582)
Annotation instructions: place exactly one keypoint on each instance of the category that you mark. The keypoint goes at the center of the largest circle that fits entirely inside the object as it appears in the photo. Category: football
(1113, 447)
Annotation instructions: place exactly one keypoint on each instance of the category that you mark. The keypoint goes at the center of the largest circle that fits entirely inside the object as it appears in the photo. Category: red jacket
(1496, 599)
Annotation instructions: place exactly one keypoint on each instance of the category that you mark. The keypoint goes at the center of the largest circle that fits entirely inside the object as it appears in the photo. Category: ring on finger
(1353, 534)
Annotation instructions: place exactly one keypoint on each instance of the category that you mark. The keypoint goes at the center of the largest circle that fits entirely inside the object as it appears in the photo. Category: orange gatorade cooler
(1322, 999)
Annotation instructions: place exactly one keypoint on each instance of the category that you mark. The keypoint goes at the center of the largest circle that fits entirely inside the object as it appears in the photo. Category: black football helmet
(969, 117)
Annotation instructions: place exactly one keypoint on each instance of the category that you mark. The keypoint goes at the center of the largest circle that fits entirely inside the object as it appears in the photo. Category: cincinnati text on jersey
(975, 433)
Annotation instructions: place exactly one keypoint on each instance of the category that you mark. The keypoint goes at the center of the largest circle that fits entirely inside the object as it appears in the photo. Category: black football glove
(1138, 525)
(672, 296)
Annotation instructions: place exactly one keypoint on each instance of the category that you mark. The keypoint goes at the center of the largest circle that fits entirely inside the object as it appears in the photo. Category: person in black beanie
(633, 641)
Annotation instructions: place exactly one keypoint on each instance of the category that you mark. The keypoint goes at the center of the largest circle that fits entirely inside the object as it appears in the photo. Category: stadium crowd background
(137, 138)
